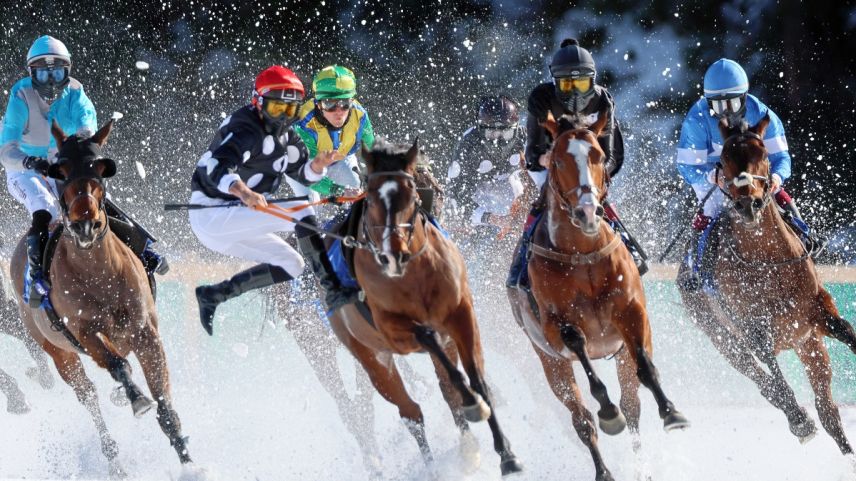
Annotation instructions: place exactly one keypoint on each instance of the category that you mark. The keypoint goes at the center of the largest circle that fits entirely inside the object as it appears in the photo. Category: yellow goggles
(567, 84)
(278, 108)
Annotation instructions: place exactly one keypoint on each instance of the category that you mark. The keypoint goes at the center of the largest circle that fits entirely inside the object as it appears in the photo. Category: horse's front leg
(149, 351)
(106, 356)
(16, 402)
(465, 332)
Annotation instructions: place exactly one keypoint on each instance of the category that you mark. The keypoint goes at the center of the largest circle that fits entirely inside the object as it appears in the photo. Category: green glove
(326, 187)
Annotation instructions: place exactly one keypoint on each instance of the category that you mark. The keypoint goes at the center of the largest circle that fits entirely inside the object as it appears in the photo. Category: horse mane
(389, 157)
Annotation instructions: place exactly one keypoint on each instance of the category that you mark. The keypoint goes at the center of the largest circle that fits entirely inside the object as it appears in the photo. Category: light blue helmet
(725, 79)
(48, 48)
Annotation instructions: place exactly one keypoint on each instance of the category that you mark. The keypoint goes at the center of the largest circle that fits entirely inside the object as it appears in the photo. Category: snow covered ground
(254, 411)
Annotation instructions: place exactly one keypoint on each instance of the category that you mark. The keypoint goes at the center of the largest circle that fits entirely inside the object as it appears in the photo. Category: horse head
(81, 168)
(391, 204)
(577, 172)
(745, 167)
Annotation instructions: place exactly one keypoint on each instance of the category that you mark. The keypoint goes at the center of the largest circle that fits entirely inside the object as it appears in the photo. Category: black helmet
(498, 111)
(573, 73)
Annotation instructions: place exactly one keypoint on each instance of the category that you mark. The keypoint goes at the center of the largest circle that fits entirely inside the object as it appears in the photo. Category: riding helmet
(573, 62)
(49, 65)
(280, 85)
(498, 111)
(334, 82)
(725, 87)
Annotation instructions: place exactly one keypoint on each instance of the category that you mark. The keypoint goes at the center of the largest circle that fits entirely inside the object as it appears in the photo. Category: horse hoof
(477, 412)
(604, 476)
(142, 405)
(116, 471)
(614, 425)
(510, 466)
(805, 430)
(674, 421)
(469, 452)
(118, 397)
(808, 437)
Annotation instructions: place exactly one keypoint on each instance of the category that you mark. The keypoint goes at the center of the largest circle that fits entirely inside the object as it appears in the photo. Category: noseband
(393, 229)
(66, 208)
(579, 191)
(745, 179)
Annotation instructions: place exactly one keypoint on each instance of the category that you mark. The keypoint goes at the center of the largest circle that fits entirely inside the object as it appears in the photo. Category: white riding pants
(33, 191)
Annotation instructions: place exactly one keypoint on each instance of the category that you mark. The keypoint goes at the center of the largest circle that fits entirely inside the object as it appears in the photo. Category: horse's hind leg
(464, 331)
(41, 372)
(836, 327)
(636, 331)
(71, 371)
(611, 419)
(560, 376)
(815, 357)
(149, 351)
(625, 364)
(16, 402)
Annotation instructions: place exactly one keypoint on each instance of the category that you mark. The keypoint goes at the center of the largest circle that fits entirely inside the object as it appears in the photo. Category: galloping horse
(766, 294)
(415, 286)
(101, 297)
(588, 294)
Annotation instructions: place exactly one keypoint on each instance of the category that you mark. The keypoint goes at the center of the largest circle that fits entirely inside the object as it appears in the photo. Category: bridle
(66, 208)
(392, 229)
(745, 179)
(580, 190)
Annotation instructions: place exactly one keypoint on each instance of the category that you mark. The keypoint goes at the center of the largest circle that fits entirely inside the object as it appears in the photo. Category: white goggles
(496, 133)
(724, 106)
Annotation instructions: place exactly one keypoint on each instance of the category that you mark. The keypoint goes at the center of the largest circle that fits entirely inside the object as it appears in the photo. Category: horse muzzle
(749, 208)
(393, 264)
(85, 232)
(587, 218)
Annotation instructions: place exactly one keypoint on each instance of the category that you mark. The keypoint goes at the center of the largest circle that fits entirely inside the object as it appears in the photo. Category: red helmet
(277, 78)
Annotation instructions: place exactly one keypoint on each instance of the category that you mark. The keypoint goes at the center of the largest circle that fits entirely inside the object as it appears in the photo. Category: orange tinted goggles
(277, 108)
(567, 84)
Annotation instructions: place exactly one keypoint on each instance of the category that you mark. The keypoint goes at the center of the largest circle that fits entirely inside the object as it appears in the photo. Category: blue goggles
(43, 75)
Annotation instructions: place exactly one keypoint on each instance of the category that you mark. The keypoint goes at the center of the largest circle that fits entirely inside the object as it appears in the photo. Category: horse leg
(41, 372)
(469, 444)
(836, 326)
(71, 371)
(636, 331)
(815, 358)
(560, 376)
(465, 333)
(611, 420)
(629, 382)
(387, 381)
(16, 402)
(149, 351)
(107, 357)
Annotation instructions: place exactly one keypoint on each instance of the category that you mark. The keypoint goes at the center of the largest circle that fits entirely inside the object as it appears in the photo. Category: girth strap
(578, 258)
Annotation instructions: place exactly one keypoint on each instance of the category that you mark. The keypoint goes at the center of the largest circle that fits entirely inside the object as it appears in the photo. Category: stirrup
(39, 290)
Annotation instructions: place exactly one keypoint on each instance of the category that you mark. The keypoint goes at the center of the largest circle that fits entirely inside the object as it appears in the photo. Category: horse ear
(602, 120)
(58, 134)
(105, 167)
(412, 154)
(761, 126)
(551, 125)
(57, 171)
(100, 137)
(366, 153)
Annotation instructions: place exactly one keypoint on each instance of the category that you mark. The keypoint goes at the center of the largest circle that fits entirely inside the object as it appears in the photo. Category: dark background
(421, 67)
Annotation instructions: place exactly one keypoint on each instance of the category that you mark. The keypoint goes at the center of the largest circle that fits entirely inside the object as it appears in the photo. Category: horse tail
(838, 328)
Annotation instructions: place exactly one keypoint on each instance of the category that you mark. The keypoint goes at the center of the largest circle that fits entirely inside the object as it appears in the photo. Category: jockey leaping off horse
(50, 94)
(253, 149)
(726, 95)
(572, 92)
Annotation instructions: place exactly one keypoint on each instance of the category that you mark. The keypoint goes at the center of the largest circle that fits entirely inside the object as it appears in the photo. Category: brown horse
(415, 285)
(590, 302)
(768, 296)
(101, 295)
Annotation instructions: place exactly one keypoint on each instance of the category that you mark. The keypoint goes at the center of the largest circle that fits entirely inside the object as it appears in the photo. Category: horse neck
(568, 238)
(771, 241)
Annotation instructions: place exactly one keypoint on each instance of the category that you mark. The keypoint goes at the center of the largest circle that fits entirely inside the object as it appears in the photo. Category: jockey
(726, 88)
(335, 121)
(483, 176)
(49, 94)
(572, 92)
(246, 161)
(333, 124)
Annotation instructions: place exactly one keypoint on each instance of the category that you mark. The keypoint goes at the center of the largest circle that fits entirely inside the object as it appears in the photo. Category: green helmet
(334, 82)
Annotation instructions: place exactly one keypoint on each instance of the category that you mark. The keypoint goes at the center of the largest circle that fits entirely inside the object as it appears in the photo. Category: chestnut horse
(101, 295)
(767, 296)
(588, 292)
(415, 286)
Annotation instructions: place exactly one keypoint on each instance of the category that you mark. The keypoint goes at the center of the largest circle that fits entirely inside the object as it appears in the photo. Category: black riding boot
(140, 244)
(814, 242)
(209, 297)
(37, 239)
(312, 246)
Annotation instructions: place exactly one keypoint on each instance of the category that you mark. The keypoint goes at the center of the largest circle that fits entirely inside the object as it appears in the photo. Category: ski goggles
(497, 132)
(279, 108)
(568, 84)
(725, 106)
(329, 105)
(44, 75)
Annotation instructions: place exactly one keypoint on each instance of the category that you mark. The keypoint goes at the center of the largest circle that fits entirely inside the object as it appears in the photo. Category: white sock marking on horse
(386, 191)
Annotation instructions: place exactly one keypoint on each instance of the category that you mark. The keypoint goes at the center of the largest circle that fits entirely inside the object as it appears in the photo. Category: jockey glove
(39, 164)
(700, 221)
(783, 198)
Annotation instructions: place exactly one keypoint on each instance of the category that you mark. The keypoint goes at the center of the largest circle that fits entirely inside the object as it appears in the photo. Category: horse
(766, 295)
(415, 286)
(11, 325)
(100, 298)
(586, 299)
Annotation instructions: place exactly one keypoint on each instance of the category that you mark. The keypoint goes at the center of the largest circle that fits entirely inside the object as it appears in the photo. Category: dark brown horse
(415, 285)
(101, 295)
(589, 296)
(768, 296)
